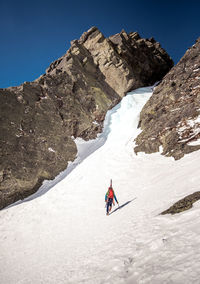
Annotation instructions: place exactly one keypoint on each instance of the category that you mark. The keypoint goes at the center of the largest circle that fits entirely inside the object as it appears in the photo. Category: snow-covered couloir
(64, 235)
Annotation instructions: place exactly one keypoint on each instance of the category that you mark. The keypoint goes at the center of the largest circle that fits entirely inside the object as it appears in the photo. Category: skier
(109, 199)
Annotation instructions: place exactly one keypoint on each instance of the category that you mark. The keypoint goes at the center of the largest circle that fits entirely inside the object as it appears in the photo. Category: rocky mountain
(39, 120)
(170, 120)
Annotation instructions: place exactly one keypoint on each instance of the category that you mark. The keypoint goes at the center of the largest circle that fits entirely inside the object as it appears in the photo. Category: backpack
(110, 193)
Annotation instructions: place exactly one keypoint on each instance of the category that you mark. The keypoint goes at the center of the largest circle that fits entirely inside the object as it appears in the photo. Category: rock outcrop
(184, 204)
(40, 119)
(171, 117)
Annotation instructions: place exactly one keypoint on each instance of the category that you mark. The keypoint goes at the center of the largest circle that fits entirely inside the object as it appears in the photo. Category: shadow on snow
(123, 205)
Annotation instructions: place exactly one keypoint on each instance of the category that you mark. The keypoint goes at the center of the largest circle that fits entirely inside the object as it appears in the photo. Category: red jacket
(110, 193)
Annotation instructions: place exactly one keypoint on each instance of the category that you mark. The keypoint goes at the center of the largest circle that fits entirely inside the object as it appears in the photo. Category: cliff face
(40, 119)
(171, 118)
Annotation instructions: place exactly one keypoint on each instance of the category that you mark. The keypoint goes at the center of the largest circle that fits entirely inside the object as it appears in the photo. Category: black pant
(109, 203)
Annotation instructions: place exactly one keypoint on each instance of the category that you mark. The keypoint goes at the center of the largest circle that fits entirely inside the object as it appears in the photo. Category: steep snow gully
(64, 236)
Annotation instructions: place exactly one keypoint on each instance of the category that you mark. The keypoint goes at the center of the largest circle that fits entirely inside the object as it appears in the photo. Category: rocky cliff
(171, 118)
(39, 120)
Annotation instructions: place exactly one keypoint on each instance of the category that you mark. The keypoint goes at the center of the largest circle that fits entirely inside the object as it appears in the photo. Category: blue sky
(35, 33)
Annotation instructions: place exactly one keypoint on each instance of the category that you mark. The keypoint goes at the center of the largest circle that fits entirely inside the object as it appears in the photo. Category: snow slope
(64, 236)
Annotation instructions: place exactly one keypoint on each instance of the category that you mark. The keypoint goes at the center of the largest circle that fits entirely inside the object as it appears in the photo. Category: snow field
(64, 236)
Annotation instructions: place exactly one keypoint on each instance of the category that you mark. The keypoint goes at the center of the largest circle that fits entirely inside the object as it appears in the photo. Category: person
(109, 199)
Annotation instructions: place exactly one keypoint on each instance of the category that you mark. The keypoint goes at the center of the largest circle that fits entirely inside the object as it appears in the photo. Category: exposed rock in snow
(183, 204)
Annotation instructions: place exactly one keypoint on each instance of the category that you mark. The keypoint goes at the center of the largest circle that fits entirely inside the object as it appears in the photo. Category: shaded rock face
(171, 117)
(40, 119)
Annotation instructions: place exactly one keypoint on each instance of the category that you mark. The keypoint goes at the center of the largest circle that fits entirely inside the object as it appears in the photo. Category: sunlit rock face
(171, 118)
(40, 119)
